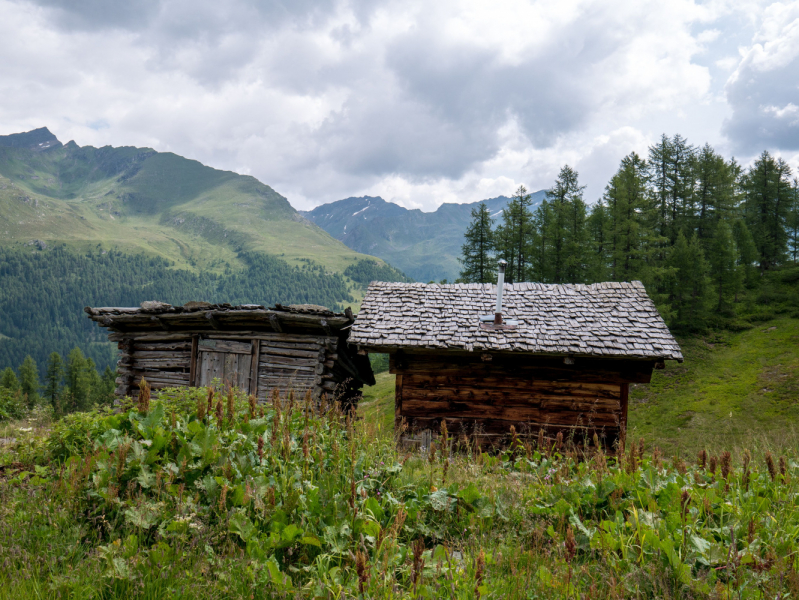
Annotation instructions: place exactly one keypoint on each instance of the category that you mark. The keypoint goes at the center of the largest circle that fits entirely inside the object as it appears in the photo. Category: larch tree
(52, 380)
(768, 194)
(29, 380)
(515, 236)
(722, 258)
(792, 222)
(566, 228)
(477, 253)
(689, 284)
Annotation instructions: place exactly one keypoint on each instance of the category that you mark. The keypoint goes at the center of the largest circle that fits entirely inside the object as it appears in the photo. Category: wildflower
(479, 568)
(772, 470)
(570, 545)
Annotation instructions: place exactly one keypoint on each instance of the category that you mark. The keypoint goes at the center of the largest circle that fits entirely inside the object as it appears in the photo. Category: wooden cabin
(555, 357)
(256, 349)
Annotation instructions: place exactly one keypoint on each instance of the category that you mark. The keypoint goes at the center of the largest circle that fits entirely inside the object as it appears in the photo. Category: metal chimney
(500, 282)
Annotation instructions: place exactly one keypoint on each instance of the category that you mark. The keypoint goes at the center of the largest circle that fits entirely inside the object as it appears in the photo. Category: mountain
(140, 200)
(108, 226)
(424, 245)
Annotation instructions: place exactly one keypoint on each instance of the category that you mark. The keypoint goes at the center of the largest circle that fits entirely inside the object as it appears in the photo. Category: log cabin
(250, 347)
(557, 358)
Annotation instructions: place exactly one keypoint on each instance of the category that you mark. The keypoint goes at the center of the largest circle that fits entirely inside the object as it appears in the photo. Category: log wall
(482, 396)
(176, 359)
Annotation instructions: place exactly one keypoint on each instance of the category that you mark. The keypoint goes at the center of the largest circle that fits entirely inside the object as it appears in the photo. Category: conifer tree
(8, 380)
(515, 236)
(768, 194)
(629, 213)
(29, 380)
(747, 252)
(792, 222)
(78, 380)
(566, 248)
(724, 272)
(52, 380)
(477, 253)
(599, 228)
(689, 284)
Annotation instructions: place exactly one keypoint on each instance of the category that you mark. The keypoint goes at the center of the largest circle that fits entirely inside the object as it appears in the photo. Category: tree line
(69, 385)
(43, 292)
(697, 229)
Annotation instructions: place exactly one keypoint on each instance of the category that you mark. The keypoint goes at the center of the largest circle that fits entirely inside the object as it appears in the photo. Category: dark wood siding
(481, 395)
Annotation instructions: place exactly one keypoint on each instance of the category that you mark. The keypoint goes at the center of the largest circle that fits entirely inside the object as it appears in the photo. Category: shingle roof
(615, 320)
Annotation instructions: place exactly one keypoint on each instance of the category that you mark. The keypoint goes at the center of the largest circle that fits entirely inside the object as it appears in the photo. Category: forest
(43, 292)
(714, 243)
(365, 271)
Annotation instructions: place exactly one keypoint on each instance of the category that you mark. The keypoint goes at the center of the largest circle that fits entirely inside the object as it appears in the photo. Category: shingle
(611, 318)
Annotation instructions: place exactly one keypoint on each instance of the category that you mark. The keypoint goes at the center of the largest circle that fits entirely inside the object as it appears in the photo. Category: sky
(418, 102)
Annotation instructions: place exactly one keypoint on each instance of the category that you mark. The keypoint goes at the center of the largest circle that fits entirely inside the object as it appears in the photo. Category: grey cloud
(765, 107)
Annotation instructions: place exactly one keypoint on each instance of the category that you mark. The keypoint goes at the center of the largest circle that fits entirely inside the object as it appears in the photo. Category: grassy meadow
(201, 495)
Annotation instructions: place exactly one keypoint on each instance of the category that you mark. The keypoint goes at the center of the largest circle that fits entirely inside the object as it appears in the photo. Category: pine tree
(8, 380)
(52, 380)
(747, 252)
(565, 233)
(29, 380)
(792, 222)
(77, 380)
(515, 236)
(716, 191)
(722, 259)
(629, 214)
(599, 227)
(477, 257)
(689, 285)
(768, 194)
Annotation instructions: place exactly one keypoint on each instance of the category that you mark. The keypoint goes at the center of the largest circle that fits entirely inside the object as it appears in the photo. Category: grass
(734, 390)
(731, 389)
(172, 500)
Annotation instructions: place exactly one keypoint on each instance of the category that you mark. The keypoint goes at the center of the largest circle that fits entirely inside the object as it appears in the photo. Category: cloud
(423, 102)
(764, 89)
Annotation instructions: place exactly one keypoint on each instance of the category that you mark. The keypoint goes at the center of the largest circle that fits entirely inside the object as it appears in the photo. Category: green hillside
(140, 200)
(734, 390)
(116, 226)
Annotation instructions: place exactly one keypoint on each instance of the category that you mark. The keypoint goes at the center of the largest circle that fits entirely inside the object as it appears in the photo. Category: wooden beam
(625, 395)
(398, 404)
(256, 355)
(193, 361)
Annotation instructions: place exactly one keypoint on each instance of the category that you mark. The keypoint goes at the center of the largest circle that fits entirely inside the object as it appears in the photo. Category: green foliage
(477, 253)
(29, 380)
(12, 404)
(365, 271)
(379, 363)
(767, 205)
(8, 380)
(54, 375)
(687, 223)
(42, 295)
(301, 502)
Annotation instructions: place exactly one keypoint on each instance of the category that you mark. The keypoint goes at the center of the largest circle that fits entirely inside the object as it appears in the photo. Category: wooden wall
(284, 361)
(483, 398)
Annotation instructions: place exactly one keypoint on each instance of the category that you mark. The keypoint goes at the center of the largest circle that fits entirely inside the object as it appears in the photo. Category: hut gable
(599, 320)
(254, 348)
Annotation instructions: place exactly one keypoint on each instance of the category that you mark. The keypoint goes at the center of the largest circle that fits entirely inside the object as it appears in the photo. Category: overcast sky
(419, 102)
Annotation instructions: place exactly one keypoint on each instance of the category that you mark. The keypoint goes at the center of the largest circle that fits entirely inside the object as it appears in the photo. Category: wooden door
(229, 361)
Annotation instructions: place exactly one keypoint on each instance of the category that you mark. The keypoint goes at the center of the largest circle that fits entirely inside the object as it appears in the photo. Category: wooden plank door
(230, 361)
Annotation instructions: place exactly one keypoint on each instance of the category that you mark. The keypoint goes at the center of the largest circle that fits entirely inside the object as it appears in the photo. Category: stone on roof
(612, 319)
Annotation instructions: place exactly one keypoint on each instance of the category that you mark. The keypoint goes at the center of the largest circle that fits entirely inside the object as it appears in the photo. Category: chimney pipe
(500, 282)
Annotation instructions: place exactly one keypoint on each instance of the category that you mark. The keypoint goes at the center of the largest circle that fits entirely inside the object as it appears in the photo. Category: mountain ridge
(424, 245)
(142, 200)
